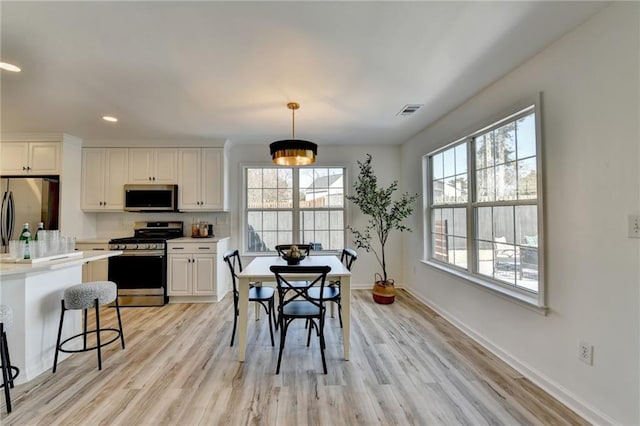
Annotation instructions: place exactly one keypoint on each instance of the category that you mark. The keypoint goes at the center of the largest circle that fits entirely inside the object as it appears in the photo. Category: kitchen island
(34, 291)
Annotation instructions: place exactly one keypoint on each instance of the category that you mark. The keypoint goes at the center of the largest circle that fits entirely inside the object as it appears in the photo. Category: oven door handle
(141, 253)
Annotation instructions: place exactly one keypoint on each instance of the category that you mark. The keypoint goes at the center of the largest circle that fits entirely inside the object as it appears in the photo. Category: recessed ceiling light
(9, 67)
(110, 119)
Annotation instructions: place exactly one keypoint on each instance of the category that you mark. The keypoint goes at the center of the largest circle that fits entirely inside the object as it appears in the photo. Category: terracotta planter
(384, 292)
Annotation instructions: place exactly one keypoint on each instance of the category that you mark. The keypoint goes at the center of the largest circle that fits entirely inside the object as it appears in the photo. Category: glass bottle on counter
(25, 236)
(40, 228)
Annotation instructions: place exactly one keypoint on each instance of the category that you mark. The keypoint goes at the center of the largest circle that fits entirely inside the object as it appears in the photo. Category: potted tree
(385, 215)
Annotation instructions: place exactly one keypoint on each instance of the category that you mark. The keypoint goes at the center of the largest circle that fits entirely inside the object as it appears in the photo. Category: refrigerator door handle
(3, 220)
(10, 217)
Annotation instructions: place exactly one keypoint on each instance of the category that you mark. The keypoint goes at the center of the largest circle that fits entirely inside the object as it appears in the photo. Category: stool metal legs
(98, 330)
(9, 372)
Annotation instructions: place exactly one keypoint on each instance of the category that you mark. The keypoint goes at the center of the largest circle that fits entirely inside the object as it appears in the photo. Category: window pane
(460, 247)
(462, 189)
(449, 162)
(254, 178)
(504, 140)
(270, 198)
(528, 269)
(439, 247)
(336, 220)
(527, 225)
(307, 220)
(485, 189)
(270, 178)
(450, 190)
(526, 131)
(484, 151)
(336, 196)
(284, 238)
(307, 236)
(285, 178)
(436, 220)
(336, 241)
(285, 198)
(438, 192)
(503, 225)
(322, 220)
(460, 222)
(447, 221)
(527, 179)
(484, 228)
(270, 221)
(451, 252)
(484, 255)
(506, 182)
(285, 221)
(270, 239)
(254, 220)
(254, 198)
(437, 165)
(461, 159)
(321, 237)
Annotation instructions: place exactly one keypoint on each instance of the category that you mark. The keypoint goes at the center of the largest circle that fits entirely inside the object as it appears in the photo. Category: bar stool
(84, 296)
(9, 372)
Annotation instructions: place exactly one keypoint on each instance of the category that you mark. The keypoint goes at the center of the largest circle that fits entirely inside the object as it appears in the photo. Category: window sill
(526, 301)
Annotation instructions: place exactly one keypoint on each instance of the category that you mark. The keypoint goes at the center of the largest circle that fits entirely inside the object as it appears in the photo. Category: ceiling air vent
(409, 109)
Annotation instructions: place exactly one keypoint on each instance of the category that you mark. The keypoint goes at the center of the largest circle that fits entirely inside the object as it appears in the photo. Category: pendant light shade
(293, 152)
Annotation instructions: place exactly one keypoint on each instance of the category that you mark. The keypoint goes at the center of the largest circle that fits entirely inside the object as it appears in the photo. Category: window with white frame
(285, 205)
(483, 218)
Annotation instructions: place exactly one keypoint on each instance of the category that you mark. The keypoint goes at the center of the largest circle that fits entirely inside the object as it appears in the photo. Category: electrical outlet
(634, 226)
(585, 352)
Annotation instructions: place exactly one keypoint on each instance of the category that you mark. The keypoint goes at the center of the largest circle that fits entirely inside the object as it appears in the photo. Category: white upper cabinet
(104, 174)
(201, 179)
(30, 158)
(153, 165)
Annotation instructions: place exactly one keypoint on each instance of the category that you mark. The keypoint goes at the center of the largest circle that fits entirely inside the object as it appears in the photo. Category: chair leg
(98, 334)
(55, 358)
(235, 324)
(339, 302)
(283, 336)
(120, 322)
(322, 343)
(6, 375)
(268, 309)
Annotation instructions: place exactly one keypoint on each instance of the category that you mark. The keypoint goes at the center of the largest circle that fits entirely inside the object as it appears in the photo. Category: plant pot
(384, 292)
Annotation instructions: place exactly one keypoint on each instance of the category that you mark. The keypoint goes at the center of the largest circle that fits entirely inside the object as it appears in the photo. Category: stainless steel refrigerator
(27, 199)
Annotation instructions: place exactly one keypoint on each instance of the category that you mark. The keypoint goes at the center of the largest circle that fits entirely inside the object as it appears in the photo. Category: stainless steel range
(141, 271)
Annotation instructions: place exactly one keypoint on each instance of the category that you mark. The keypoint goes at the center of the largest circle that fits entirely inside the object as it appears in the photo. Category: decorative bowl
(293, 260)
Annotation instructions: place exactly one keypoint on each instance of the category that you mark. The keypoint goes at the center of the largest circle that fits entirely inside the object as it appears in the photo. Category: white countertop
(9, 269)
(196, 240)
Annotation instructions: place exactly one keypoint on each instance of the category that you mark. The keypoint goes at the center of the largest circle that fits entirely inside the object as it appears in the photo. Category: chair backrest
(348, 257)
(232, 257)
(304, 248)
(317, 276)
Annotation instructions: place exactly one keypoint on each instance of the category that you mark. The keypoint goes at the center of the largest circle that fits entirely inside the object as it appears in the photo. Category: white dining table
(258, 270)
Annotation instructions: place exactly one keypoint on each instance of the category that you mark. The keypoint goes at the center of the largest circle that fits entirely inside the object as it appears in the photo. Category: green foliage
(385, 213)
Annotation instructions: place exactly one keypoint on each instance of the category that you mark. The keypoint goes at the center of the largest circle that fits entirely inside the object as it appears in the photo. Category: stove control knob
(134, 246)
(150, 246)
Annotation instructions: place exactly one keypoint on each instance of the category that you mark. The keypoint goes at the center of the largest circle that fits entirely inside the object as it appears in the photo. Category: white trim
(547, 384)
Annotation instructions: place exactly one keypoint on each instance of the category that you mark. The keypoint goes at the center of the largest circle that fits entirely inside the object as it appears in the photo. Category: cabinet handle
(104, 203)
(204, 248)
(28, 167)
(97, 248)
(154, 178)
(24, 168)
(177, 248)
(100, 203)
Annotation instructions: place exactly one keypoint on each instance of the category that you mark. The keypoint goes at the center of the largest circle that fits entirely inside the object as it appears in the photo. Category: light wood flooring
(408, 367)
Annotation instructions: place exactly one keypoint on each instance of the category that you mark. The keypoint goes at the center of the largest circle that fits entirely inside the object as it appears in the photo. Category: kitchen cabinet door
(153, 165)
(30, 158)
(212, 181)
(180, 275)
(204, 272)
(115, 178)
(189, 177)
(44, 158)
(98, 270)
(104, 173)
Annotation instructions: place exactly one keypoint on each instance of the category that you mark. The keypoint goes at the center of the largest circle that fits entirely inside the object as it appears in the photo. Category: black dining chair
(300, 306)
(331, 293)
(258, 294)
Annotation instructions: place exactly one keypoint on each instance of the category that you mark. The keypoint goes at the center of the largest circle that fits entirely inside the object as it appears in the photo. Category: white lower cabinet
(97, 270)
(196, 270)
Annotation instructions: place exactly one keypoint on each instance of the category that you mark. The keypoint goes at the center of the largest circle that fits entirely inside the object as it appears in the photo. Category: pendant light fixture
(293, 152)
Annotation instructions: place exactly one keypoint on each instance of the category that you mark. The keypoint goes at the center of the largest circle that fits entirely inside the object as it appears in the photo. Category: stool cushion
(83, 296)
(6, 316)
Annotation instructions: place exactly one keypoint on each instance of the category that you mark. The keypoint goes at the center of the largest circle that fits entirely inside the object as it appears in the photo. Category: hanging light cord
(293, 123)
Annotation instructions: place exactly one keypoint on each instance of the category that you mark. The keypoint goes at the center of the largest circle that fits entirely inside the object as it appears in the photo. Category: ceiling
(226, 70)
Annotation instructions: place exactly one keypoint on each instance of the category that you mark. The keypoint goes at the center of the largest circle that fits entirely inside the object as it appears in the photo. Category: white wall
(386, 164)
(589, 81)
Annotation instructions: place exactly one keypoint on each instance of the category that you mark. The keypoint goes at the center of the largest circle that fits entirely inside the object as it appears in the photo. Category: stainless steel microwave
(151, 198)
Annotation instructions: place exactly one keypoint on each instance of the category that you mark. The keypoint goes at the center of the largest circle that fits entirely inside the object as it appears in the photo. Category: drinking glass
(16, 249)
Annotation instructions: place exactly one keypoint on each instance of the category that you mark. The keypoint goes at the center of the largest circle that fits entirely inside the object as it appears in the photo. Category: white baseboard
(559, 392)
